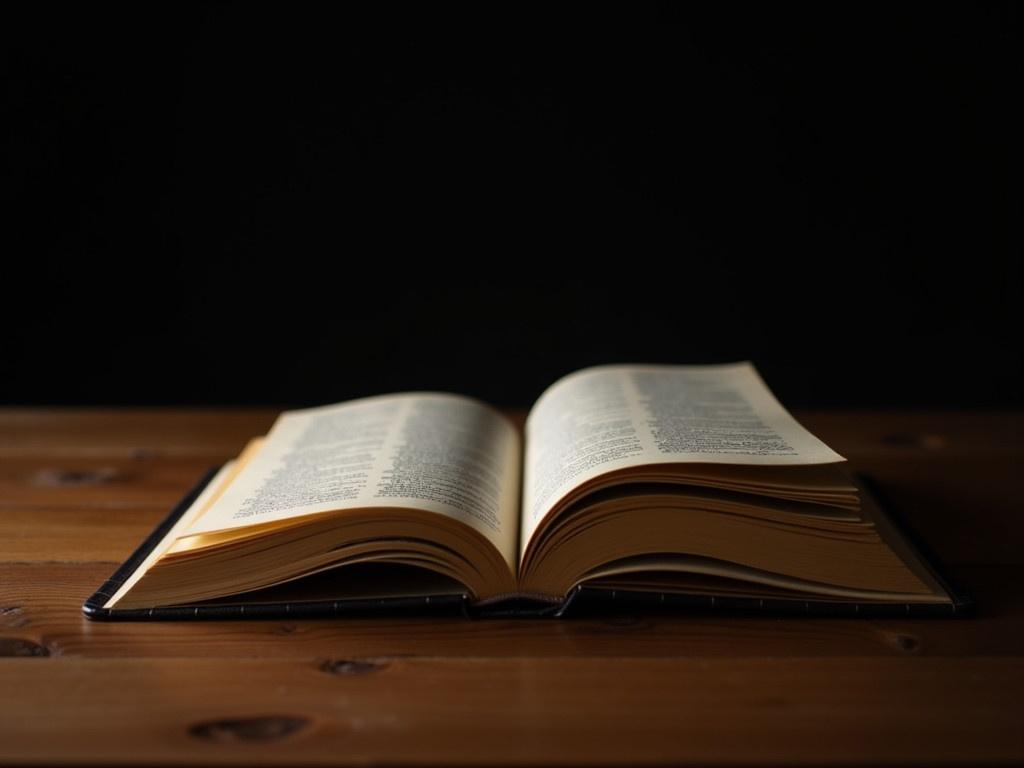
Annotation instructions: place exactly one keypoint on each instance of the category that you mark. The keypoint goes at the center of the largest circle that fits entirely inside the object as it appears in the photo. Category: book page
(612, 417)
(441, 453)
(202, 502)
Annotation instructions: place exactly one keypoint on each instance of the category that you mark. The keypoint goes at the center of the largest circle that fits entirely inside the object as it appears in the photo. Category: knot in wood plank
(71, 478)
(13, 617)
(907, 643)
(16, 646)
(352, 666)
(902, 641)
(249, 729)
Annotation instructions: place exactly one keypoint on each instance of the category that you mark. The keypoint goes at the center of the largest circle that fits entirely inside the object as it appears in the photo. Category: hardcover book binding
(582, 600)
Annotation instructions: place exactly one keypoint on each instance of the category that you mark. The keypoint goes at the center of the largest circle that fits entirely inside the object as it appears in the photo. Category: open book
(654, 480)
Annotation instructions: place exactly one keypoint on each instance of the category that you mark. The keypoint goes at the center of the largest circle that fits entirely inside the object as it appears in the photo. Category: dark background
(297, 205)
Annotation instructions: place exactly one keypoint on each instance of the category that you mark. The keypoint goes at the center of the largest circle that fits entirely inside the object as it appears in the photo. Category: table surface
(79, 489)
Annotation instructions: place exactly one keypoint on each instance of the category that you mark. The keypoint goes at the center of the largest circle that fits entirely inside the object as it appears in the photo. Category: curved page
(611, 417)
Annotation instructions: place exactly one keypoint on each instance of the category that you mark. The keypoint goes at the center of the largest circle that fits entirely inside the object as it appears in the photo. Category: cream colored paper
(440, 453)
(612, 417)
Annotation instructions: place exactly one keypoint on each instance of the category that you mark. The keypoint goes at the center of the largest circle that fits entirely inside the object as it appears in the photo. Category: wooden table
(80, 489)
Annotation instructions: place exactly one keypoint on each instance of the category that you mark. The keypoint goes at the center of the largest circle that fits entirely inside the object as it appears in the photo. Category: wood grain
(514, 711)
(108, 482)
(127, 432)
(74, 534)
(80, 489)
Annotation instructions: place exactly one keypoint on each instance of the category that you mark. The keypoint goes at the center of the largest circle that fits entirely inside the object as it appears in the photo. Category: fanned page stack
(657, 481)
